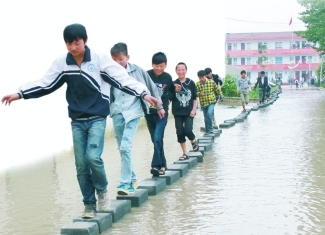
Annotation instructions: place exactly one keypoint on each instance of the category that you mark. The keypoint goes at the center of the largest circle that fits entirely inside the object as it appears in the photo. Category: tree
(261, 60)
(314, 18)
(319, 68)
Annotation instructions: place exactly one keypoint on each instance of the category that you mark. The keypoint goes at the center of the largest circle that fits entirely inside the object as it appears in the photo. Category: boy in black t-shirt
(156, 125)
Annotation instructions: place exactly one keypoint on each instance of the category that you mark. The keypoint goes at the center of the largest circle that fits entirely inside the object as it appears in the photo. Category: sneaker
(89, 211)
(122, 190)
(134, 184)
(131, 189)
(103, 200)
(211, 132)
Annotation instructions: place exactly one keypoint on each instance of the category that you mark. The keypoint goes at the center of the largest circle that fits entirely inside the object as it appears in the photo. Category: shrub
(229, 87)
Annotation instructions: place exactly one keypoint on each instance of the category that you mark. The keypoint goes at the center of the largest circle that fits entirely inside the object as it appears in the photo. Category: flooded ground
(263, 176)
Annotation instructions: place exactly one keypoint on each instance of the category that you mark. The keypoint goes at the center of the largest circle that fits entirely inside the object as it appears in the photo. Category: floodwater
(263, 176)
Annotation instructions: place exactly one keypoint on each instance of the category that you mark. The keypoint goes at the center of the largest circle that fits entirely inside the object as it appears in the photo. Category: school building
(279, 54)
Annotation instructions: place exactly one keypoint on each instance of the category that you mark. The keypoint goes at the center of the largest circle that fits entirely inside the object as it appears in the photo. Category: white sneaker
(103, 201)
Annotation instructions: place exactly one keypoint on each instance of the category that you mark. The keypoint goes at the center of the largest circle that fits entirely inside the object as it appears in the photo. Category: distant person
(302, 82)
(89, 76)
(184, 109)
(243, 86)
(126, 111)
(262, 83)
(206, 89)
(155, 124)
(290, 81)
(218, 81)
(297, 83)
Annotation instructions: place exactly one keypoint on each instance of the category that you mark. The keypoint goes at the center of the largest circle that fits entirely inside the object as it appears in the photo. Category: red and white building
(280, 48)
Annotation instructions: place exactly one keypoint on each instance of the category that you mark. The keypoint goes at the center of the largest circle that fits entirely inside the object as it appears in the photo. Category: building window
(291, 58)
(303, 59)
(248, 74)
(278, 75)
(278, 45)
(248, 60)
(242, 46)
(229, 61)
(303, 44)
(309, 59)
(235, 46)
(248, 46)
(261, 45)
(229, 46)
(297, 44)
(297, 59)
(235, 61)
(278, 60)
(242, 61)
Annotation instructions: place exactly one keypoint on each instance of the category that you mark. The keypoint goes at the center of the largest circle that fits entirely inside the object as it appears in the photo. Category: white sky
(275, 11)
(186, 30)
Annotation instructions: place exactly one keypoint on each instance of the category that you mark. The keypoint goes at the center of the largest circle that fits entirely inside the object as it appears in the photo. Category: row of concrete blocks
(148, 187)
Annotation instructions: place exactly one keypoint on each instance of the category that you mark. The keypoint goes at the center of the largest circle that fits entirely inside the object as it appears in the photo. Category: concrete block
(202, 152)
(232, 122)
(255, 108)
(239, 119)
(209, 135)
(204, 141)
(207, 147)
(170, 176)
(197, 155)
(153, 185)
(118, 208)
(203, 128)
(209, 138)
(191, 162)
(137, 198)
(225, 125)
(182, 168)
(80, 228)
(103, 220)
(262, 105)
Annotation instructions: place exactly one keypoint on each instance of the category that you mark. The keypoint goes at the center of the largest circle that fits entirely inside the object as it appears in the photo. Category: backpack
(216, 79)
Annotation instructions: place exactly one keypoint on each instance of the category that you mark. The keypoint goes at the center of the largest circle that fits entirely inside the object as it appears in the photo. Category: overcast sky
(276, 12)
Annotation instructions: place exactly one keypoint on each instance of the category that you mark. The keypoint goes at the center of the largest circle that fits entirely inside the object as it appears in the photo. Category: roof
(258, 36)
(278, 67)
(281, 52)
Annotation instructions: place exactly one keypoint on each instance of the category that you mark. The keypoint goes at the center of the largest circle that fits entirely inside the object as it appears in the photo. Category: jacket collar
(87, 58)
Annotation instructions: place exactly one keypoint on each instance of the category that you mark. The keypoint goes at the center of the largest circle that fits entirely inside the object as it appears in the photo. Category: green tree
(229, 87)
(319, 68)
(314, 18)
(261, 60)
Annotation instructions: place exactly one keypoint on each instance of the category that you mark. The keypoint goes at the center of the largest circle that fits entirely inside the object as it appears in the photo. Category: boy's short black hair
(118, 48)
(243, 71)
(181, 63)
(262, 72)
(159, 58)
(201, 73)
(74, 32)
(208, 70)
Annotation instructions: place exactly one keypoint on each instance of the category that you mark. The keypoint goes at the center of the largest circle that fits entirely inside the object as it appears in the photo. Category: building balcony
(278, 67)
(272, 52)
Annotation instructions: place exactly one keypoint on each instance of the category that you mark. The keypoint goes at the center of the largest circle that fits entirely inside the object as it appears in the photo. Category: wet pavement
(263, 176)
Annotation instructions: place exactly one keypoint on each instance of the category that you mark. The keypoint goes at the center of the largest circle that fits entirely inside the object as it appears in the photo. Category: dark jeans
(184, 127)
(261, 95)
(156, 127)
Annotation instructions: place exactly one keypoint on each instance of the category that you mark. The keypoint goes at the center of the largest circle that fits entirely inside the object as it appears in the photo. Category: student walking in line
(219, 96)
(126, 111)
(184, 109)
(206, 90)
(262, 83)
(243, 86)
(88, 75)
(155, 124)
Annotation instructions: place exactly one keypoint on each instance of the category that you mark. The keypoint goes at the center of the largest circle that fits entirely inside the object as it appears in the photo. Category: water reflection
(264, 176)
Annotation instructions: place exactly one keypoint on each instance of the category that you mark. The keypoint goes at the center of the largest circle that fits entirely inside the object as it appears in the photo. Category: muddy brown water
(263, 176)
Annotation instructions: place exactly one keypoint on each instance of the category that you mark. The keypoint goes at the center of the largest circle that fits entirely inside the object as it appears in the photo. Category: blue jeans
(124, 133)
(208, 113)
(261, 95)
(156, 127)
(88, 143)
